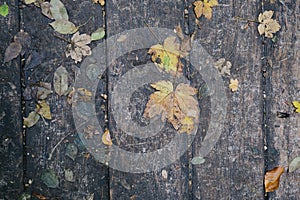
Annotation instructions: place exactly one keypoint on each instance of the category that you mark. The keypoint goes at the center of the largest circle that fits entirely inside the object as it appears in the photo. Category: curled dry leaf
(234, 84)
(167, 56)
(296, 104)
(204, 7)
(106, 138)
(179, 107)
(60, 81)
(294, 165)
(272, 178)
(223, 66)
(79, 47)
(267, 25)
(31, 120)
(101, 2)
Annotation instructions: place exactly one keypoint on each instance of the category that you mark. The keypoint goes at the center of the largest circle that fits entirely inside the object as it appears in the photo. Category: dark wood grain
(11, 147)
(281, 62)
(53, 136)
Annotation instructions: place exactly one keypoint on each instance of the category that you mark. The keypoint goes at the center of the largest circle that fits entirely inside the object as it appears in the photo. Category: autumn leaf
(179, 107)
(223, 66)
(204, 7)
(64, 26)
(272, 179)
(43, 90)
(267, 25)
(167, 56)
(296, 104)
(106, 138)
(101, 2)
(31, 120)
(58, 10)
(294, 165)
(198, 160)
(43, 109)
(78, 47)
(234, 84)
(4, 10)
(12, 51)
(60, 81)
(98, 34)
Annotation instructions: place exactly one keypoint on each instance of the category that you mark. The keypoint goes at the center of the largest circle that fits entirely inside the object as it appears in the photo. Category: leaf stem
(248, 20)
(62, 38)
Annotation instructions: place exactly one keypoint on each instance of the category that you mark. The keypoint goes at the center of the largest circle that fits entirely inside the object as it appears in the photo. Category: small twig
(244, 19)
(54, 148)
(84, 23)
(64, 39)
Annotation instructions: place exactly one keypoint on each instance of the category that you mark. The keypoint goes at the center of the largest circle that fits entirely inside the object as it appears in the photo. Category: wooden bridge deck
(253, 139)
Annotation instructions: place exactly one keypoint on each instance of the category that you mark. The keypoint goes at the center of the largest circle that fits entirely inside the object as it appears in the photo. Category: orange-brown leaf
(272, 178)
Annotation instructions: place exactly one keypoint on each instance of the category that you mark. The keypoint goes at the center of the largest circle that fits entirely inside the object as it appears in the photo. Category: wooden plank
(234, 169)
(283, 75)
(11, 148)
(121, 16)
(47, 141)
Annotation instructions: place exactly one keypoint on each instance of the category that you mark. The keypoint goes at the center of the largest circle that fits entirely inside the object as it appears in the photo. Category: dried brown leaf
(272, 178)
(79, 47)
(223, 66)
(204, 7)
(267, 25)
(12, 51)
(60, 81)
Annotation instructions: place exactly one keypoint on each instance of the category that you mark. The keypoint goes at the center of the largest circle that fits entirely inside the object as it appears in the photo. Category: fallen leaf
(198, 160)
(58, 10)
(4, 10)
(98, 34)
(43, 91)
(50, 179)
(32, 119)
(179, 107)
(101, 2)
(69, 175)
(167, 56)
(78, 47)
(64, 26)
(223, 66)
(39, 196)
(234, 84)
(29, 1)
(24, 39)
(60, 81)
(294, 165)
(71, 151)
(106, 138)
(12, 51)
(204, 7)
(45, 7)
(296, 104)
(43, 109)
(267, 25)
(272, 178)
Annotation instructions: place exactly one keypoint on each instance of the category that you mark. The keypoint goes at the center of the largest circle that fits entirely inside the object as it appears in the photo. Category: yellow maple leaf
(234, 84)
(179, 107)
(101, 2)
(267, 25)
(167, 56)
(204, 7)
(296, 104)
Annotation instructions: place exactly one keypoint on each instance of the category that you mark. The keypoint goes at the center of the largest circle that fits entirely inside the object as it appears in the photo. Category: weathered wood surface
(268, 73)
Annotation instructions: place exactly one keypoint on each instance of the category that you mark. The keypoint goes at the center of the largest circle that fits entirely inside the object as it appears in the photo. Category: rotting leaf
(234, 84)
(198, 160)
(43, 109)
(106, 138)
(296, 104)
(69, 175)
(64, 26)
(45, 7)
(179, 107)
(267, 25)
(12, 51)
(223, 66)
(71, 151)
(60, 81)
(43, 91)
(98, 34)
(272, 178)
(204, 7)
(24, 39)
(167, 56)
(294, 165)
(79, 47)
(101, 2)
(58, 10)
(31, 120)
(4, 10)
(50, 179)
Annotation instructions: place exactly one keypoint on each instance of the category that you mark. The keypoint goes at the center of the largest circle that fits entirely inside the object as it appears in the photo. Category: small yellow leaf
(272, 178)
(106, 138)
(204, 7)
(32, 119)
(43, 109)
(267, 25)
(101, 2)
(296, 104)
(234, 84)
